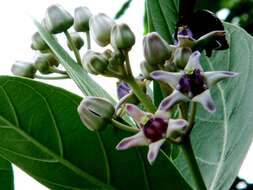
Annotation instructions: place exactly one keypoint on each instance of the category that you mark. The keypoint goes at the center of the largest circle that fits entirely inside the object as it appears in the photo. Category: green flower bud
(181, 56)
(77, 40)
(38, 43)
(146, 69)
(82, 17)
(100, 28)
(156, 49)
(57, 19)
(122, 37)
(95, 112)
(23, 69)
(44, 62)
(94, 62)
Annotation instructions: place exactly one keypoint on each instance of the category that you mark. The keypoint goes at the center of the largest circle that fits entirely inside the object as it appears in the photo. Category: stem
(73, 47)
(192, 164)
(124, 127)
(51, 78)
(88, 39)
(127, 64)
(56, 70)
(187, 150)
(141, 95)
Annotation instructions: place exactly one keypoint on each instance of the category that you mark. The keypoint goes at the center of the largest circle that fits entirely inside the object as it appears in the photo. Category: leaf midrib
(61, 160)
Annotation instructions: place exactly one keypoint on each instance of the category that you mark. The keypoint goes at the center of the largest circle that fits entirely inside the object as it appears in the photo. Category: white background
(15, 38)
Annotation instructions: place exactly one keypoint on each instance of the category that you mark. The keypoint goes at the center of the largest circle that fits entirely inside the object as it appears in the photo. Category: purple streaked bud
(122, 89)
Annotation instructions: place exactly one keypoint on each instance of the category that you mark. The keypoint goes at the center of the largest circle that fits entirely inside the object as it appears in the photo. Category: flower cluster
(177, 68)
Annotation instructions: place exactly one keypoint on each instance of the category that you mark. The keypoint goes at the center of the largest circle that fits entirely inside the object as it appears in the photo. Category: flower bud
(57, 19)
(23, 69)
(146, 69)
(77, 40)
(122, 37)
(38, 43)
(95, 112)
(100, 28)
(181, 56)
(94, 62)
(123, 89)
(82, 17)
(44, 62)
(156, 49)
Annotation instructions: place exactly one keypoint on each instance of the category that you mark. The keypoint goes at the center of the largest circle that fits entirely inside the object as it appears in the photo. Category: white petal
(193, 62)
(136, 113)
(206, 100)
(169, 78)
(137, 140)
(176, 128)
(154, 150)
(213, 77)
(175, 97)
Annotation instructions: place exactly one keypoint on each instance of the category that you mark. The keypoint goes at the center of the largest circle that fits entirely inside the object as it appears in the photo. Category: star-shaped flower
(192, 84)
(154, 130)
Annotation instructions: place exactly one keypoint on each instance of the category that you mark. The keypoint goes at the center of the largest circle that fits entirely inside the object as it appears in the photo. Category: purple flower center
(192, 84)
(155, 129)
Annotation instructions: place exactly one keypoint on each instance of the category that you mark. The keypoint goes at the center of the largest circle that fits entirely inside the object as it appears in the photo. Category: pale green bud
(44, 62)
(156, 49)
(23, 69)
(146, 69)
(94, 62)
(38, 43)
(77, 40)
(181, 56)
(122, 37)
(95, 112)
(57, 19)
(100, 28)
(82, 17)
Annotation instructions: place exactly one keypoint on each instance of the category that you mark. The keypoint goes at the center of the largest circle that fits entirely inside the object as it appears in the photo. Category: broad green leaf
(40, 131)
(6, 175)
(221, 140)
(86, 84)
(162, 17)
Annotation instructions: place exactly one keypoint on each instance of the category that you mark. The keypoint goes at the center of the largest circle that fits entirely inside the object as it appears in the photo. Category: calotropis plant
(177, 70)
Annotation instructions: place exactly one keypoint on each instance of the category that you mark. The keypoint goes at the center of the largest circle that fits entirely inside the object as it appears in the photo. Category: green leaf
(86, 84)
(221, 140)
(40, 131)
(162, 17)
(6, 175)
(123, 9)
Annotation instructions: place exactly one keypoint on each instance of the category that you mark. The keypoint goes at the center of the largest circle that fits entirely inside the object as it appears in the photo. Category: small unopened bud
(77, 40)
(38, 43)
(100, 28)
(95, 112)
(94, 62)
(23, 69)
(146, 69)
(122, 37)
(44, 62)
(156, 49)
(181, 57)
(57, 19)
(82, 17)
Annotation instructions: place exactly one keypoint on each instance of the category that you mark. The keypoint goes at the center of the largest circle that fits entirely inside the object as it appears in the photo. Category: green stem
(52, 78)
(144, 99)
(88, 39)
(56, 70)
(192, 164)
(124, 127)
(127, 64)
(188, 151)
(73, 47)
